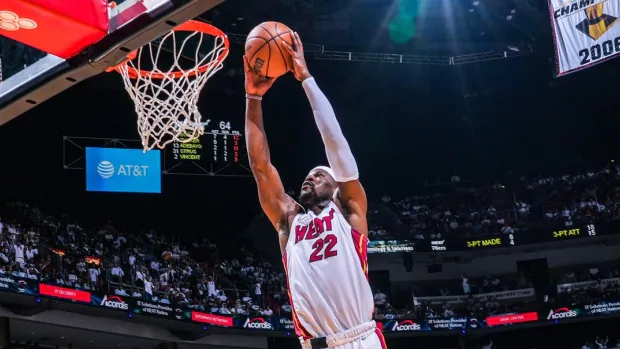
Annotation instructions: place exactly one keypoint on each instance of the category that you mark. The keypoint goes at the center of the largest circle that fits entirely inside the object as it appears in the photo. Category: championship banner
(585, 33)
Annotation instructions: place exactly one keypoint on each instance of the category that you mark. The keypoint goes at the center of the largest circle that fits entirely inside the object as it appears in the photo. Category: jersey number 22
(324, 248)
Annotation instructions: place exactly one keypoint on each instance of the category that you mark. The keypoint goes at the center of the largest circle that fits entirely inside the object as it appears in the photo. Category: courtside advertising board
(585, 33)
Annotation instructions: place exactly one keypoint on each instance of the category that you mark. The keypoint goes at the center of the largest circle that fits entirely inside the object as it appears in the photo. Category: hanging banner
(585, 33)
(576, 286)
(523, 293)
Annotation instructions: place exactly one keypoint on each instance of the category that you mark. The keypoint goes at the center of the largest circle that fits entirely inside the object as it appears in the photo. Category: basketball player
(323, 238)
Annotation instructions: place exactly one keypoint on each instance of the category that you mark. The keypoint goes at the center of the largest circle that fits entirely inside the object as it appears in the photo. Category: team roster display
(220, 147)
(585, 32)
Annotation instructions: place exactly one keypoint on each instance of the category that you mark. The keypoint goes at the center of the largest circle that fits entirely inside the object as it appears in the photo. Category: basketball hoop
(166, 99)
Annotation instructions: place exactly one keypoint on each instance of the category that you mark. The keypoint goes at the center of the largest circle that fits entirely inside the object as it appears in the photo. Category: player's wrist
(304, 76)
(253, 97)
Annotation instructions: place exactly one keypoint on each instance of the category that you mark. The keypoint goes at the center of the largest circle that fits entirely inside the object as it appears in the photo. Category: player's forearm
(255, 137)
(337, 148)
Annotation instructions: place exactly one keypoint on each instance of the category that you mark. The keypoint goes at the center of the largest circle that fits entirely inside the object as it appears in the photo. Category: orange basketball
(265, 51)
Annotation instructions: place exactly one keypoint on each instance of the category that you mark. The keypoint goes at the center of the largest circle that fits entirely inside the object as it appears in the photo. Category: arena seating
(231, 278)
(459, 209)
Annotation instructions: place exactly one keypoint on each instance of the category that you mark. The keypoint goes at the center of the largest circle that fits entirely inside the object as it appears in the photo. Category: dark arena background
(493, 186)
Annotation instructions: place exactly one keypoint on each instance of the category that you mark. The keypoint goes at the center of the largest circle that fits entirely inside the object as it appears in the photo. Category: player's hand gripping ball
(255, 84)
(300, 69)
(265, 52)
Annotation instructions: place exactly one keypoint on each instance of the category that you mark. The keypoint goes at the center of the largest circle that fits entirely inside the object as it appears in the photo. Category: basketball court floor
(29, 76)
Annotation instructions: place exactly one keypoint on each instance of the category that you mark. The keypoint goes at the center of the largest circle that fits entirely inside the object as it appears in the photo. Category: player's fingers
(298, 41)
(246, 64)
(287, 47)
(248, 68)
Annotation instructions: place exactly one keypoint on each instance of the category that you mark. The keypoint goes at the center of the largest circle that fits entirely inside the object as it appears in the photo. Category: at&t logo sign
(106, 169)
(11, 22)
(257, 323)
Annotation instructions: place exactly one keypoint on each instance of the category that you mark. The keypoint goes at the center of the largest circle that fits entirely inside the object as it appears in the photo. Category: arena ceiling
(397, 26)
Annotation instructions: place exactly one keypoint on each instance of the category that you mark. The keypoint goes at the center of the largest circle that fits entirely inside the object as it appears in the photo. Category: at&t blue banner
(123, 170)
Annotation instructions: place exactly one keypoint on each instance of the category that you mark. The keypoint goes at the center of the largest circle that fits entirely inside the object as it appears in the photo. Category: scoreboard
(220, 148)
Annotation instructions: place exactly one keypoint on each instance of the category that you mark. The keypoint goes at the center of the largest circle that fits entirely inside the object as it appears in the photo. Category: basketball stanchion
(166, 99)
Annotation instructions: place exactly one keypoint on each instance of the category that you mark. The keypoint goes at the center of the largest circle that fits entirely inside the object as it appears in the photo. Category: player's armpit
(352, 197)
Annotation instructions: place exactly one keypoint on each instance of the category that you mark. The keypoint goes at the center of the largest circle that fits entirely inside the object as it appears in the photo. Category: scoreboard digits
(225, 143)
(219, 146)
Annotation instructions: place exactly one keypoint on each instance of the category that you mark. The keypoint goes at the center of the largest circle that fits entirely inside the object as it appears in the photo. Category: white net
(166, 101)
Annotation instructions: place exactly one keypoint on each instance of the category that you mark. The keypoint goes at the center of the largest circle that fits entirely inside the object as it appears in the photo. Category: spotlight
(129, 315)
(38, 300)
(464, 332)
(204, 327)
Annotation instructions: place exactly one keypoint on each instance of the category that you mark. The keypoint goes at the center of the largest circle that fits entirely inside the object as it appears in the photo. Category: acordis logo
(114, 302)
(561, 313)
(406, 325)
(257, 323)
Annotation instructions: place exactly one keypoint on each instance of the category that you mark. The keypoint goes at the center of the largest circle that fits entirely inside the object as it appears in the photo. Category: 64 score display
(219, 143)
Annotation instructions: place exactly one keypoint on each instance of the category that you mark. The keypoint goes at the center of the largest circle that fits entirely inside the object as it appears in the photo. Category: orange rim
(189, 26)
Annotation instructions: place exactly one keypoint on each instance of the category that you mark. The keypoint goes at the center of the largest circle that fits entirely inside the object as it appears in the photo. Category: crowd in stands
(233, 279)
(59, 251)
(459, 209)
(588, 284)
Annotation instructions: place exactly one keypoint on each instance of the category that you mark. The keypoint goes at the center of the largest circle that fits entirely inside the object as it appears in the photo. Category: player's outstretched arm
(351, 193)
(278, 206)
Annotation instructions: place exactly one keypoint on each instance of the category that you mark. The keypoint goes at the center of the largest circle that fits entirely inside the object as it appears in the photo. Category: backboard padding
(18, 95)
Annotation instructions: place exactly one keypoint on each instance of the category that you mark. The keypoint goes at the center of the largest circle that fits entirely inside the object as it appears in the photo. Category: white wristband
(258, 98)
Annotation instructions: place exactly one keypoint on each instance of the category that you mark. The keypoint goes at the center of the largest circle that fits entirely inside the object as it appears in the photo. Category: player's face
(316, 188)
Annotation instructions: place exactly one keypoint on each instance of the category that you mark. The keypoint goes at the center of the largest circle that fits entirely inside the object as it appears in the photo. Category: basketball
(265, 51)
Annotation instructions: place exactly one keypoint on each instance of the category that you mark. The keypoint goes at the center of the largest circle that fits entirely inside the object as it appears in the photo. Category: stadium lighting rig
(319, 52)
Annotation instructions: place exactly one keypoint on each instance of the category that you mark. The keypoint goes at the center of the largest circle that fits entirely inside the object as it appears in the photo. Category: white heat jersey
(327, 271)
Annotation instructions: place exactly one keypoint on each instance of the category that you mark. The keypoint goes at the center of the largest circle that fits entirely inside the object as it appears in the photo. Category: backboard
(28, 76)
